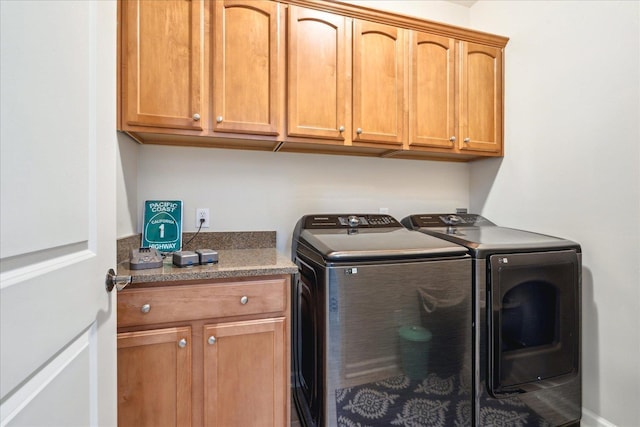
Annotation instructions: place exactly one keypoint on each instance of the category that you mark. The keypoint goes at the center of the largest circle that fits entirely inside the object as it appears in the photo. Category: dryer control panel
(449, 220)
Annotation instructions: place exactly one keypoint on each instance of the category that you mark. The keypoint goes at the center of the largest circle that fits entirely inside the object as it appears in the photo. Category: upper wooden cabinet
(378, 83)
(317, 65)
(245, 66)
(308, 76)
(432, 83)
(480, 98)
(162, 64)
(455, 95)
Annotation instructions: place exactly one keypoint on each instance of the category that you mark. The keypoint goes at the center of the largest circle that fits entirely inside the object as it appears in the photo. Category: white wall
(572, 136)
(432, 10)
(127, 186)
(250, 190)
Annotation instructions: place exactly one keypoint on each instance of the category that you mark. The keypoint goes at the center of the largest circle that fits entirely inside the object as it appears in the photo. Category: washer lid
(377, 243)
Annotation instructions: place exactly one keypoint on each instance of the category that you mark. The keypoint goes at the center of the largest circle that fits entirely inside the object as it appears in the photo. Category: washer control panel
(351, 221)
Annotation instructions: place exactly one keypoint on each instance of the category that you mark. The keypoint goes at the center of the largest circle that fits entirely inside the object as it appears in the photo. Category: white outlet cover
(202, 213)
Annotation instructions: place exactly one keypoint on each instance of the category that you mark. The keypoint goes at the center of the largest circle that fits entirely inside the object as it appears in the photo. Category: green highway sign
(162, 226)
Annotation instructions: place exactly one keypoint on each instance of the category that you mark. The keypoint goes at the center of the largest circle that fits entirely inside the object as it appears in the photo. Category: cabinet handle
(244, 300)
(196, 117)
(359, 131)
(219, 119)
(341, 129)
(467, 139)
(211, 340)
(452, 139)
(145, 308)
(182, 343)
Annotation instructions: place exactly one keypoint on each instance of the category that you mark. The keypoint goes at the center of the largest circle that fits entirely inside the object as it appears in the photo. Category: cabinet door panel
(163, 63)
(481, 98)
(154, 378)
(378, 83)
(245, 70)
(432, 90)
(317, 74)
(245, 383)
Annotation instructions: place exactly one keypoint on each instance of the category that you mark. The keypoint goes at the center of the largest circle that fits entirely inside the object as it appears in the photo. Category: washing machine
(382, 324)
(527, 324)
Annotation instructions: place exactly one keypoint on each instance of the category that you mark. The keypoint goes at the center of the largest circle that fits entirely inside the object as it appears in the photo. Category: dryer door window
(534, 324)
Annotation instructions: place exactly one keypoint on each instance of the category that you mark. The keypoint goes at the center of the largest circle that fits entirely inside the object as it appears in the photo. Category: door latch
(113, 280)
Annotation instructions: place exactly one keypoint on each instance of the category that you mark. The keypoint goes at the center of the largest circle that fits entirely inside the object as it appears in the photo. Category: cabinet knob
(341, 129)
(196, 117)
(182, 343)
(359, 131)
(244, 299)
(467, 139)
(211, 340)
(452, 139)
(219, 119)
(145, 308)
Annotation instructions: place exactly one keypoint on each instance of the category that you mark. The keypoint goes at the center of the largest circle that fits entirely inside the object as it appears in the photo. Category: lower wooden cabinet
(154, 377)
(227, 367)
(244, 373)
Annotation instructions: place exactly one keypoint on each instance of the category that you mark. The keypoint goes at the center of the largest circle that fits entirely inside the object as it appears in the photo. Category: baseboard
(589, 419)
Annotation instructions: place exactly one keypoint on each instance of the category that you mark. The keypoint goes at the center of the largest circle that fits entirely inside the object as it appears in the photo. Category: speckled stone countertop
(239, 255)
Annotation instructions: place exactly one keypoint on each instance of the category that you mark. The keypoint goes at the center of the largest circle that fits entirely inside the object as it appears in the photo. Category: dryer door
(534, 320)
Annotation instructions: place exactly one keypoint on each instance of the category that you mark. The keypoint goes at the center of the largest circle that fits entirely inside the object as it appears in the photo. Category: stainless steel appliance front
(370, 335)
(527, 315)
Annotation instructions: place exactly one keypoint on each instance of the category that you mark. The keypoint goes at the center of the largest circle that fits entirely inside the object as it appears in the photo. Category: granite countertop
(231, 263)
(239, 255)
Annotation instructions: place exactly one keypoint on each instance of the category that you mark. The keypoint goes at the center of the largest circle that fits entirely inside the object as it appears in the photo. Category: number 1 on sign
(161, 231)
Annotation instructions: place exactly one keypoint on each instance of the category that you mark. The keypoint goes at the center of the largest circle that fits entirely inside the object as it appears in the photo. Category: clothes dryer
(526, 310)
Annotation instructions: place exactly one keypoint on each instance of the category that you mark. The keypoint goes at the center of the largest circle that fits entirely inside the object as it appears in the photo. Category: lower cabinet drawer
(180, 303)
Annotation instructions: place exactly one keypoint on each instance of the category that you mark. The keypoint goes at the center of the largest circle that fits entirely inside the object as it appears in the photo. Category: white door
(58, 235)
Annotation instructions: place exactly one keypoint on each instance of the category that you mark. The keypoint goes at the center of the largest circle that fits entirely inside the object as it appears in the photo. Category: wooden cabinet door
(431, 91)
(378, 83)
(245, 381)
(480, 98)
(317, 74)
(245, 66)
(163, 63)
(154, 377)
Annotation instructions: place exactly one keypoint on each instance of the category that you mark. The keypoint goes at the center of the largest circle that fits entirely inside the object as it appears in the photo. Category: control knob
(353, 220)
(452, 219)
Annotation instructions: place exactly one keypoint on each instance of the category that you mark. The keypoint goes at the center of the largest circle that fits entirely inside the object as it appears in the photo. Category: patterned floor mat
(432, 402)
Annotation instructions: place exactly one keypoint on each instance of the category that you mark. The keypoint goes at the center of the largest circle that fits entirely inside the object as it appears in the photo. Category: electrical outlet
(384, 211)
(202, 213)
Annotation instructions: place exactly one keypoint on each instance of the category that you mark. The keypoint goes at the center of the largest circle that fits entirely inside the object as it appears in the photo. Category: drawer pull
(182, 343)
(244, 300)
(145, 308)
(211, 340)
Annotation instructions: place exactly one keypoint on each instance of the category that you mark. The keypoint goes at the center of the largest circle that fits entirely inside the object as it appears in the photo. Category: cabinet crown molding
(402, 21)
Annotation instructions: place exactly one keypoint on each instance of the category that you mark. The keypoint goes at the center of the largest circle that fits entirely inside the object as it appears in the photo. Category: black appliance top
(367, 237)
(482, 236)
